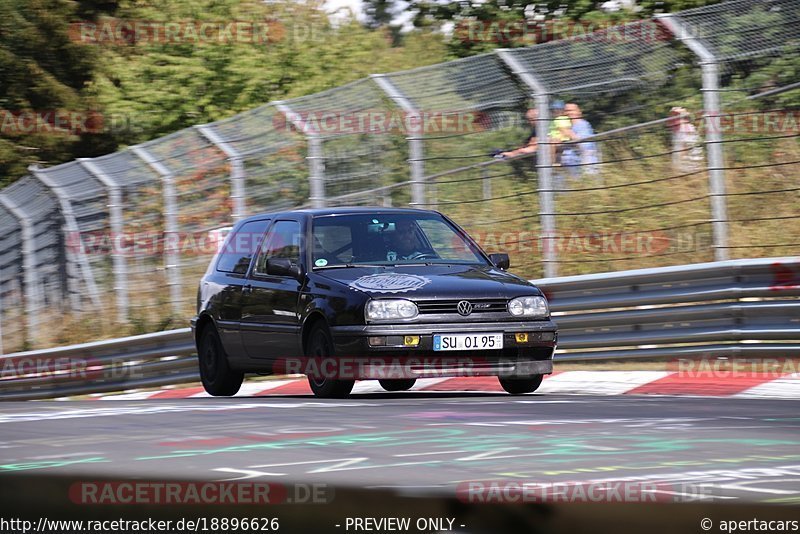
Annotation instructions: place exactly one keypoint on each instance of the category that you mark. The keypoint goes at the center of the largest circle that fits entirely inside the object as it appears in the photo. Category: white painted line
(787, 387)
(367, 386)
(599, 382)
(139, 395)
(249, 389)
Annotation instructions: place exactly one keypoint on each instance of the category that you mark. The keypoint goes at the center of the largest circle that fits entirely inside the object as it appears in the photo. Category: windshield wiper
(347, 265)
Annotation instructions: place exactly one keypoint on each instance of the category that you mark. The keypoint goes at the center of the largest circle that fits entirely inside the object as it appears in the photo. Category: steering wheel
(423, 256)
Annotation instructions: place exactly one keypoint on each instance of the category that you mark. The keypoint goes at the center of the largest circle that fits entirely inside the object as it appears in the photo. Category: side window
(282, 241)
(240, 246)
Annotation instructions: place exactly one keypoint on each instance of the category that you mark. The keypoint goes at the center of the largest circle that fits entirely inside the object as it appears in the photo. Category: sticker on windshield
(322, 262)
(390, 282)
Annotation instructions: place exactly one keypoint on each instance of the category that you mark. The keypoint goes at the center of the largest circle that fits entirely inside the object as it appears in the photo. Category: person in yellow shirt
(560, 131)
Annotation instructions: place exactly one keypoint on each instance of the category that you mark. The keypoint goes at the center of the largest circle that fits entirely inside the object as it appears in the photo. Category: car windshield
(389, 239)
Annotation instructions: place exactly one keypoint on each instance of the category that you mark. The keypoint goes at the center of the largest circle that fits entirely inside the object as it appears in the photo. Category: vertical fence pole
(415, 141)
(238, 174)
(544, 167)
(171, 236)
(316, 161)
(709, 65)
(30, 275)
(120, 267)
(71, 230)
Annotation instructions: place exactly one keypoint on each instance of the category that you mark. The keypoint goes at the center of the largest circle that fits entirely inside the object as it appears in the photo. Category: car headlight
(529, 307)
(380, 310)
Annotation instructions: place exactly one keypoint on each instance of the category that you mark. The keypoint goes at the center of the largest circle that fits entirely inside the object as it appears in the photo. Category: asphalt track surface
(419, 442)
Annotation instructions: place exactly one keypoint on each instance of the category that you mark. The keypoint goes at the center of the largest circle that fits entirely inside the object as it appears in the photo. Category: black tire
(519, 386)
(397, 384)
(320, 345)
(218, 378)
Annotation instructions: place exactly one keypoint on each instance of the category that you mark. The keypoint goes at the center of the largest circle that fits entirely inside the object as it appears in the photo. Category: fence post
(170, 227)
(415, 140)
(30, 274)
(238, 173)
(544, 167)
(71, 227)
(120, 267)
(316, 162)
(709, 66)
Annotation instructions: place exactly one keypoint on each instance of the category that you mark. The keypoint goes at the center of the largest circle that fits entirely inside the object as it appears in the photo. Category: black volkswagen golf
(346, 294)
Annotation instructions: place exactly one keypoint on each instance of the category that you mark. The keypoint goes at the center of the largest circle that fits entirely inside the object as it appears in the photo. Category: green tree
(42, 71)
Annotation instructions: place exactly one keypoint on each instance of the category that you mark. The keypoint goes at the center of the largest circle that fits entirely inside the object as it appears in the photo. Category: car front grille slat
(451, 306)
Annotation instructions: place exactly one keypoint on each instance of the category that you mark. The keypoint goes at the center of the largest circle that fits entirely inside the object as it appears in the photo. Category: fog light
(377, 341)
(521, 338)
(548, 336)
(411, 341)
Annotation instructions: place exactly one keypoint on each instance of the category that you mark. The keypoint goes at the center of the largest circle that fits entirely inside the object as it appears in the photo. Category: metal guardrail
(737, 307)
(149, 360)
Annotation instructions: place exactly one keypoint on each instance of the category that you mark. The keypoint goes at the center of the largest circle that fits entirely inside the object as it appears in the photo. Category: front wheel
(397, 384)
(320, 346)
(218, 378)
(519, 386)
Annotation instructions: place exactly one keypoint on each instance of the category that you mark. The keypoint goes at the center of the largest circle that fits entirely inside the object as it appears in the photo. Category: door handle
(247, 289)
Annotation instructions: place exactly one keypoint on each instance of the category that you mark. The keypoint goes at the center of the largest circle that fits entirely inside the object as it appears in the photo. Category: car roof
(316, 212)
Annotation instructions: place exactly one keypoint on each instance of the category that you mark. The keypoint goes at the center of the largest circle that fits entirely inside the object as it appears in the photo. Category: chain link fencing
(692, 156)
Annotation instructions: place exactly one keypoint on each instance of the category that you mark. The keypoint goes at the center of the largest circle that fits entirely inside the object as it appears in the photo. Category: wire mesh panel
(362, 136)
(607, 187)
(201, 177)
(741, 29)
(142, 238)
(761, 149)
(645, 205)
(12, 304)
(756, 44)
(88, 202)
(609, 61)
(498, 206)
(467, 107)
(276, 171)
(39, 206)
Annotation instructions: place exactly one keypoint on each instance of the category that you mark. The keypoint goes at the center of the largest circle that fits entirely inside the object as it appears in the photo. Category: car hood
(432, 282)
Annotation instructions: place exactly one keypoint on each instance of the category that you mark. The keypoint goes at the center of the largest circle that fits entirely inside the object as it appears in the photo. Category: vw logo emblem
(464, 307)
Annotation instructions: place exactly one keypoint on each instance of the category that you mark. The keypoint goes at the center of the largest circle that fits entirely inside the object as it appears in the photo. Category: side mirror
(283, 267)
(501, 261)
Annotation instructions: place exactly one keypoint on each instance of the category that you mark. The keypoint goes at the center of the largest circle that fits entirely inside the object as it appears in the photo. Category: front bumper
(532, 357)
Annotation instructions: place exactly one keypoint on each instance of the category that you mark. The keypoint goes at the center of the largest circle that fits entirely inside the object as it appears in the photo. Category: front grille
(451, 306)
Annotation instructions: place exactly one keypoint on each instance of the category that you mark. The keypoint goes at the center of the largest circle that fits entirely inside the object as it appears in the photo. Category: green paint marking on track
(45, 464)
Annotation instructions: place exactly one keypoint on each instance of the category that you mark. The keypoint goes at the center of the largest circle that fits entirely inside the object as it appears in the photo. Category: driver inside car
(404, 244)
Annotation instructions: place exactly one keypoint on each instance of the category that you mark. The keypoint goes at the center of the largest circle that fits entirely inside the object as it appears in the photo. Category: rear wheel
(397, 384)
(519, 386)
(218, 378)
(320, 346)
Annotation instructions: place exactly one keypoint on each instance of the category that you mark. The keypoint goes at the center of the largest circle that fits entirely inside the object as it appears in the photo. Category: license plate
(467, 341)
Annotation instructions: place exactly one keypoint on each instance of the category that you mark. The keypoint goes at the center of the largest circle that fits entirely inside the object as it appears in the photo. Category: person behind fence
(531, 144)
(687, 153)
(579, 157)
(558, 133)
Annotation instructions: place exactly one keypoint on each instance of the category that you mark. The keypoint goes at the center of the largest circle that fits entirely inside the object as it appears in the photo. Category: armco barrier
(737, 307)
